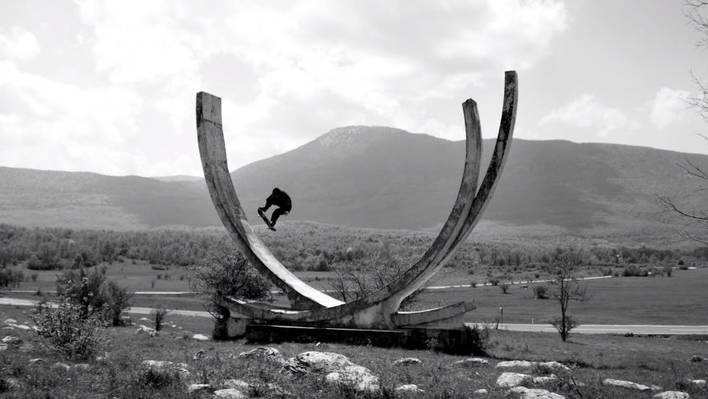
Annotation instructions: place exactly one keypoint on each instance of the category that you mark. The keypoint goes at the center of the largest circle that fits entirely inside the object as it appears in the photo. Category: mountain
(382, 178)
(177, 178)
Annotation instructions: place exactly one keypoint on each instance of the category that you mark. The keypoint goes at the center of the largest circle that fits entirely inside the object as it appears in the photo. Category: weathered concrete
(380, 309)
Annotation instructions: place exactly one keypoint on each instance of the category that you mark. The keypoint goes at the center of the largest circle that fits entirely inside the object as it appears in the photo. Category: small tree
(227, 274)
(567, 288)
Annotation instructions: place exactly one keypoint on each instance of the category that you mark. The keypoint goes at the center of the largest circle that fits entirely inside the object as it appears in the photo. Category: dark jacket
(280, 199)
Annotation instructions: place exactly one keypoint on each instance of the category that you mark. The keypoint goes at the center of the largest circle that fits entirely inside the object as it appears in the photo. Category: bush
(504, 287)
(93, 295)
(228, 275)
(159, 314)
(67, 331)
(10, 278)
(540, 292)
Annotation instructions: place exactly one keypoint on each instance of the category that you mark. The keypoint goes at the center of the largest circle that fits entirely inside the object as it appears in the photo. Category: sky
(109, 86)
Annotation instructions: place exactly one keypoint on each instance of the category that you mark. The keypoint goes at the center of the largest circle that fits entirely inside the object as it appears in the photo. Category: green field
(646, 360)
(680, 299)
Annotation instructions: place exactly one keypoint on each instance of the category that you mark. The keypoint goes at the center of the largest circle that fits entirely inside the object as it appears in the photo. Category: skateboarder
(282, 201)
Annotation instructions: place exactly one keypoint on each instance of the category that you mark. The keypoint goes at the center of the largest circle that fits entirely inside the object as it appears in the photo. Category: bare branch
(691, 215)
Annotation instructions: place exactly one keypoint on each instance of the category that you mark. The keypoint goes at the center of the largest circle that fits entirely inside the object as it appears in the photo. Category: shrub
(540, 291)
(227, 274)
(67, 331)
(504, 287)
(92, 294)
(10, 278)
(159, 314)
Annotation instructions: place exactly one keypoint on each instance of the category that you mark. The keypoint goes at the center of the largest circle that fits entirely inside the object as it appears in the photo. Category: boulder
(194, 388)
(471, 362)
(407, 361)
(60, 366)
(323, 361)
(535, 393)
(408, 388)
(544, 379)
(629, 385)
(339, 370)
(672, 395)
(696, 358)
(36, 360)
(480, 392)
(509, 380)
(11, 340)
(264, 353)
(230, 393)
(165, 368)
(554, 366)
(698, 383)
(10, 321)
(510, 364)
(237, 384)
(200, 337)
(143, 329)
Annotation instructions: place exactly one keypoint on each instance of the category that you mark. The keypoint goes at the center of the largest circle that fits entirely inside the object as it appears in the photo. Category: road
(639, 329)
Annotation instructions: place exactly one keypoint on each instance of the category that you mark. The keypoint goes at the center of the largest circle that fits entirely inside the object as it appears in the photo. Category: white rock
(535, 393)
(508, 379)
(699, 383)
(409, 388)
(339, 370)
(629, 385)
(509, 364)
(545, 379)
(230, 393)
(263, 352)
(198, 388)
(471, 362)
(481, 392)
(672, 395)
(81, 366)
(10, 321)
(147, 330)
(237, 384)
(200, 337)
(36, 360)
(166, 368)
(11, 340)
(145, 319)
(358, 377)
(323, 361)
(60, 366)
(407, 361)
(22, 326)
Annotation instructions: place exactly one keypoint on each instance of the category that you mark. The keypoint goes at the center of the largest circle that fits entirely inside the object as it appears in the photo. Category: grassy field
(660, 361)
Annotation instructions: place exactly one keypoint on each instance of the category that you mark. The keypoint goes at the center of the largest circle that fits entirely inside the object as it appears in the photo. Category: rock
(698, 383)
(237, 384)
(145, 319)
(481, 392)
(166, 369)
(146, 330)
(60, 366)
(10, 321)
(629, 385)
(672, 395)
(22, 326)
(339, 369)
(230, 393)
(407, 361)
(81, 366)
(535, 393)
(199, 355)
(509, 380)
(263, 352)
(554, 366)
(545, 379)
(509, 364)
(200, 337)
(696, 358)
(36, 360)
(198, 388)
(471, 362)
(408, 388)
(11, 340)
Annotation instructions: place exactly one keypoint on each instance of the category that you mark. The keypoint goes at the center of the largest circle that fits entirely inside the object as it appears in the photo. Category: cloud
(668, 105)
(588, 113)
(18, 44)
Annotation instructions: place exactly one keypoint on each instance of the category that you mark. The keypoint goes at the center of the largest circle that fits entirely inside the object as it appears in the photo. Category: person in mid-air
(281, 200)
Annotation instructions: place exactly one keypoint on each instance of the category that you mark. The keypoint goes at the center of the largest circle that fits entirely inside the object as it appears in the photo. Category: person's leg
(267, 205)
(276, 214)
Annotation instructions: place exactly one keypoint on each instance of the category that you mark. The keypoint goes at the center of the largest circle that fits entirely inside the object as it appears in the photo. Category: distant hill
(177, 178)
(382, 178)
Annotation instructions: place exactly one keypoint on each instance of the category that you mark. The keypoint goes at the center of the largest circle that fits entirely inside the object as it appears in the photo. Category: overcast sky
(109, 86)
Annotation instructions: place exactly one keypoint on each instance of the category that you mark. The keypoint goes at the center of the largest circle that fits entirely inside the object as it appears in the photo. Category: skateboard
(265, 219)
